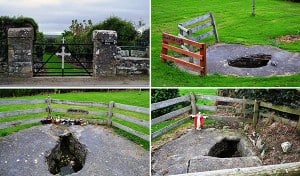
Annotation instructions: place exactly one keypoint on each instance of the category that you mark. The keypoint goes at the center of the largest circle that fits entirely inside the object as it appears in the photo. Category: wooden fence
(188, 29)
(109, 113)
(169, 39)
(256, 110)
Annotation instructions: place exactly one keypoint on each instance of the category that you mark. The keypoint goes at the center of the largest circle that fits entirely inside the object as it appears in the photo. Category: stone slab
(173, 157)
(108, 154)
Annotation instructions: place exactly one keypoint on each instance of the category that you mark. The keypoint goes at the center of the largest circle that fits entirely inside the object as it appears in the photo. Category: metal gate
(63, 59)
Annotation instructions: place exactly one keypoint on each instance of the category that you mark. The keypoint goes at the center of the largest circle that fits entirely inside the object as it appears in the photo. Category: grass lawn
(130, 97)
(274, 18)
(52, 68)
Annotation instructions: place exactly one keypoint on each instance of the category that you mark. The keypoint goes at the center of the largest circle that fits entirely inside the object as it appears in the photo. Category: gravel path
(81, 82)
(287, 62)
(108, 154)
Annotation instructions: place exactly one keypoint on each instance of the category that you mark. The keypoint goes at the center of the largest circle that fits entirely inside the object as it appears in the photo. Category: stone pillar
(20, 47)
(104, 53)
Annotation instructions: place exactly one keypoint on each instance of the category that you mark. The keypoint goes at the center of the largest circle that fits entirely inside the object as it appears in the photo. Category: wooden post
(214, 26)
(48, 108)
(298, 126)
(164, 50)
(256, 113)
(244, 107)
(193, 103)
(253, 7)
(191, 48)
(110, 113)
(203, 61)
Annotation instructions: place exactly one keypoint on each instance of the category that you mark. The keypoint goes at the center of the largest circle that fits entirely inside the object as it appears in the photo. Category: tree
(125, 29)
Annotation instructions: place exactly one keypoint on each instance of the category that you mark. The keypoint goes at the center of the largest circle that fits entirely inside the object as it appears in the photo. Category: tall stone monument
(20, 47)
(104, 53)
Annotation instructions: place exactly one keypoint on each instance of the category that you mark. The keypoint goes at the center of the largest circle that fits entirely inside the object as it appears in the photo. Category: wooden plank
(180, 41)
(215, 27)
(170, 115)
(132, 108)
(170, 127)
(15, 102)
(132, 120)
(185, 63)
(279, 119)
(110, 112)
(182, 51)
(256, 113)
(19, 122)
(193, 103)
(291, 169)
(131, 131)
(208, 108)
(280, 108)
(169, 102)
(21, 112)
(67, 102)
(202, 26)
(203, 36)
(185, 30)
(195, 20)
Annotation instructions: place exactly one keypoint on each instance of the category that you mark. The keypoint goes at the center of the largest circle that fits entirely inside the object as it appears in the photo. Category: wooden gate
(169, 39)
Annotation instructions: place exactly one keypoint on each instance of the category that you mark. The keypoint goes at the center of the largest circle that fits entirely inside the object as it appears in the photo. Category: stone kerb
(20, 46)
(104, 52)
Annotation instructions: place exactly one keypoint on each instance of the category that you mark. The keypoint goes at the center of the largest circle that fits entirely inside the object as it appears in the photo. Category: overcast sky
(55, 16)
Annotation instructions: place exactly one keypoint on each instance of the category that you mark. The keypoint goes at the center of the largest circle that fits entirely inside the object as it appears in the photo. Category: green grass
(131, 97)
(69, 68)
(274, 18)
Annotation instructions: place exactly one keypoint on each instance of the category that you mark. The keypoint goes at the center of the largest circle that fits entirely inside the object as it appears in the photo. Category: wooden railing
(169, 39)
(186, 31)
(108, 113)
(193, 108)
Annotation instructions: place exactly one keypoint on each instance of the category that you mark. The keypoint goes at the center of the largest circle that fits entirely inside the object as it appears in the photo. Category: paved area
(108, 154)
(80, 82)
(189, 153)
(287, 63)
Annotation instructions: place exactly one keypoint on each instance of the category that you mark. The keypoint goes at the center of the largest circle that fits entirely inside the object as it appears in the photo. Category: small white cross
(63, 40)
(63, 54)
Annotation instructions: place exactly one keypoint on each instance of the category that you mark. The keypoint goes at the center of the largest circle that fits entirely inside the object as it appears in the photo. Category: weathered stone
(286, 146)
(105, 51)
(20, 46)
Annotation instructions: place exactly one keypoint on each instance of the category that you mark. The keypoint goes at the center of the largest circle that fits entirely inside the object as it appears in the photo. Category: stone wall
(20, 46)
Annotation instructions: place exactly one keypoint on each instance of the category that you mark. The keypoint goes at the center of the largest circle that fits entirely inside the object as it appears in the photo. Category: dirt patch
(272, 135)
(289, 38)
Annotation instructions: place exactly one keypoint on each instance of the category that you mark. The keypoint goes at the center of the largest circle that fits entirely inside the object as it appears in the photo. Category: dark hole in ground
(251, 61)
(67, 157)
(225, 149)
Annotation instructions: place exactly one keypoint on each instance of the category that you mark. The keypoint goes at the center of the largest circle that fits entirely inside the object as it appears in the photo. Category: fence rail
(186, 31)
(109, 113)
(256, 110)
(168, 38)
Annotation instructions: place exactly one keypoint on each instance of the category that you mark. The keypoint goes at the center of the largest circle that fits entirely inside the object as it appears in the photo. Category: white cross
(63, 54)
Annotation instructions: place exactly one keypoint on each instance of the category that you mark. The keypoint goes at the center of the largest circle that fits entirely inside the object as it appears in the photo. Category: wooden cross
(63, 54)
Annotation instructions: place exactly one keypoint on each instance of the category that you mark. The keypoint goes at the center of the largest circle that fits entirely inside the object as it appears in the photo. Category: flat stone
(174, 156)
(207, 163)
(32, 145)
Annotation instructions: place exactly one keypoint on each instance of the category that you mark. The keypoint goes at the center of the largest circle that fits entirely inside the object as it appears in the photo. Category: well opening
(226, 148)
(67, 157)
(251, 61)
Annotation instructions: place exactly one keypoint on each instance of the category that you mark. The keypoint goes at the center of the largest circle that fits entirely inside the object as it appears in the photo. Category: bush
(158, 95)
